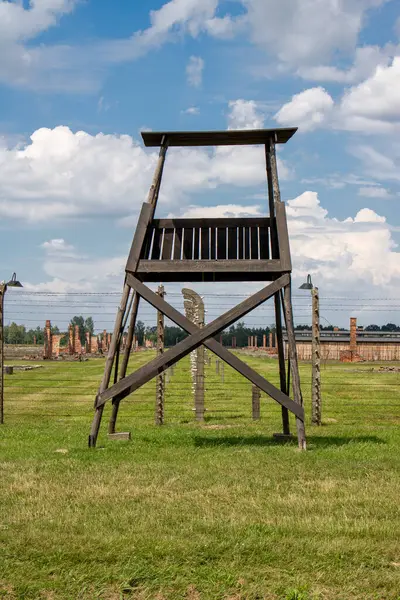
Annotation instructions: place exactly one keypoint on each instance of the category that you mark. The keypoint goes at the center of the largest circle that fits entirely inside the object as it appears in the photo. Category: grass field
(199, 512)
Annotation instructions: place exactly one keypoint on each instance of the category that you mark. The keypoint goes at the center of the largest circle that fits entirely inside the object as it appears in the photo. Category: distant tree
(85, 325)
(139, 331)
(14, 334)
(89, 325)
(372, 328)
(173, 335)
(390, 327)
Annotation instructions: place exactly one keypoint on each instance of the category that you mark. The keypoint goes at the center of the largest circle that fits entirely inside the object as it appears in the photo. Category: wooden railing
(208, 239)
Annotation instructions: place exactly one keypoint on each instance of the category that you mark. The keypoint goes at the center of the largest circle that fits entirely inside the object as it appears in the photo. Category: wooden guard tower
(225, 249)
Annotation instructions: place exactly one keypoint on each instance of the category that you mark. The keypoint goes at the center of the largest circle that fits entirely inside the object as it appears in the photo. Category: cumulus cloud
(306, 33)
(62, 174)
(373, 106)
(341, 254)
(245, 114)
(308, 109)
(194, 71)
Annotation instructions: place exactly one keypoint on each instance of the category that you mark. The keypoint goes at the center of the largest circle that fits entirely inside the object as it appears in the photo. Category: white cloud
(194, 71)
(375, 103)
(308, 109)
(221, 210)
(366, 59)
(80, 68)
(344, 254)
(245, 114)
(373, 106)
(57, 245)
(305, 33)
(377, 163)
(300, 35)
(61, 174)
(374, 192)
(192, 110)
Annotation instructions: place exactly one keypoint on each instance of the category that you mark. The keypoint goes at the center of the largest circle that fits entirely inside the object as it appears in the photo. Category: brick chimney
(353, 334)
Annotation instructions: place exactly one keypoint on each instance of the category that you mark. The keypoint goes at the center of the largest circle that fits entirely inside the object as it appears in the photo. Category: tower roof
(231, 137)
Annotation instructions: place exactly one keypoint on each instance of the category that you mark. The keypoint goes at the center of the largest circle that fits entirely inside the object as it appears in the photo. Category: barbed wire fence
(62, 389)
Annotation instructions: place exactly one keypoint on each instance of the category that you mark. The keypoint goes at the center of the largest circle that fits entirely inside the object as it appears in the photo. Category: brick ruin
(351, 355)
(94, 344)
(268, 344)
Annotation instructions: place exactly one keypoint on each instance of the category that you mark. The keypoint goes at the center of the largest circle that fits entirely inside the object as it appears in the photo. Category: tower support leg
(282, 365)
(94, 431)
(125, 361)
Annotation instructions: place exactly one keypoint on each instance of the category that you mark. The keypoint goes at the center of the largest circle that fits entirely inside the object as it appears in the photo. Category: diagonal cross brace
(159, 364)
(232, 360)
(126, 386)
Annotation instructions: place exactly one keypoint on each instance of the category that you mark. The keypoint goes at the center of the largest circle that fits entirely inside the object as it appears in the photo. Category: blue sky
(80, 79)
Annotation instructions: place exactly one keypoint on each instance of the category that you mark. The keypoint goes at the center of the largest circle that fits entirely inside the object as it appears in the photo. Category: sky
(80, 79)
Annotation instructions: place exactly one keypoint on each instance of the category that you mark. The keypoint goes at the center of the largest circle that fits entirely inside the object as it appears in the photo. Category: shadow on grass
(260, 440)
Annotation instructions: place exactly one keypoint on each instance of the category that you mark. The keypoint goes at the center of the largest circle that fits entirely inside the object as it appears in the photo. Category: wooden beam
(94, 431)
(283, 237)
(125, 361)
(208, 266)
(160, 379)
(145, 217)
(281, 357)
(147, 372)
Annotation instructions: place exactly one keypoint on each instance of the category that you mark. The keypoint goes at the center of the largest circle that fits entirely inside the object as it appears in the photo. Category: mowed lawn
(212, 511)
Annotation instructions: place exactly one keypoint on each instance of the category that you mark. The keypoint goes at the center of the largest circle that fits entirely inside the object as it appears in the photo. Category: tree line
(18, 334)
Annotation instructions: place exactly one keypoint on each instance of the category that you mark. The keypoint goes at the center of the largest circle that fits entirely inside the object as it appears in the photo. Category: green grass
(213, 511)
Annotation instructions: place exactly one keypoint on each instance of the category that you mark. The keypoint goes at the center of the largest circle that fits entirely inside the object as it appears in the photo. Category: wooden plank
(167, 246)
(255, 403)
(230, 137)
(178, 244)
(121, 435)
(283, 236)
(210, 266)
(148, 371)
(221, 243)
(264, 243)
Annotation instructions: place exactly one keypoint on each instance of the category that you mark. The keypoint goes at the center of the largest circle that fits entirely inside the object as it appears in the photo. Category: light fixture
(14, 282)
(307, 285)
